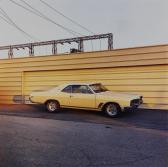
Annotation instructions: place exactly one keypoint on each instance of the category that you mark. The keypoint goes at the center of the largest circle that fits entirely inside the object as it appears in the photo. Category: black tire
(112, 110)
(52, 106)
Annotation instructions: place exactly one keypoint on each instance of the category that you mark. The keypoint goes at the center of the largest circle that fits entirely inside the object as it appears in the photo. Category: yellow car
(89, 96)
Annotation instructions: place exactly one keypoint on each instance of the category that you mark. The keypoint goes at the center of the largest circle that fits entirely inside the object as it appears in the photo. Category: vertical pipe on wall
(31, 50)
(22, 89)
(54, 48)
(81, 46)
(110, 42)
(10, 53)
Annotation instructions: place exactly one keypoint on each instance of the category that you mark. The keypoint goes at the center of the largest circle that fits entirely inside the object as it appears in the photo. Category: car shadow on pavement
(143, 118)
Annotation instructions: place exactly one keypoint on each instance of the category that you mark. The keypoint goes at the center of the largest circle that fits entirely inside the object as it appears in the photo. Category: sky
(133, 22)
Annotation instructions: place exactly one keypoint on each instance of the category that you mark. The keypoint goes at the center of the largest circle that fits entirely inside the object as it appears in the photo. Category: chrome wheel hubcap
(112, 110)
(52, 106)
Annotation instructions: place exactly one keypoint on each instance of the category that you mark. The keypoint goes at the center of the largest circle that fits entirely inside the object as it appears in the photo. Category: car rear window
(67, 89)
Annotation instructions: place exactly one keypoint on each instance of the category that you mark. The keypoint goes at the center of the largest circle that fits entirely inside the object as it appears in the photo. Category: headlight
(30, 98)
(135, 102)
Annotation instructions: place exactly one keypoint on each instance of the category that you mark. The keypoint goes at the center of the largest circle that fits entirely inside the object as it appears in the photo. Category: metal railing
(54, 43)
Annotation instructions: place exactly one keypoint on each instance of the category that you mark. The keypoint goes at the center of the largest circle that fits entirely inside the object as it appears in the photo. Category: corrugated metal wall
(141, 70)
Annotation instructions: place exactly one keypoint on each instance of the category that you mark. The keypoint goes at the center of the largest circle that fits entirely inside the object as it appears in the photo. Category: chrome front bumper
(134, 104)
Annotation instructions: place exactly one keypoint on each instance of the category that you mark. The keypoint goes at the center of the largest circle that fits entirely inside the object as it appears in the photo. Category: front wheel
(112, 110)
(52, 106)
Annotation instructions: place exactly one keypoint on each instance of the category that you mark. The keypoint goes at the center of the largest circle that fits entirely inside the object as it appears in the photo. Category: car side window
(81, 89)
(67, 89)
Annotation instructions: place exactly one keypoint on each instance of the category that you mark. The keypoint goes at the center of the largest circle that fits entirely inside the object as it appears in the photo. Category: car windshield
(98, 88)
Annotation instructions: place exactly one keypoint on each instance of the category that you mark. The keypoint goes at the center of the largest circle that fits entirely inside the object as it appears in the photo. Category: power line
(5, 20)
(8, 20)
(38, 13)
(48, 19)
(45, 17)
(68, 18)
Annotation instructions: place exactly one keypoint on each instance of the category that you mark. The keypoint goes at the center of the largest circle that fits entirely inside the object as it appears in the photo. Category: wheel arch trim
(110, 102)
(51, 100)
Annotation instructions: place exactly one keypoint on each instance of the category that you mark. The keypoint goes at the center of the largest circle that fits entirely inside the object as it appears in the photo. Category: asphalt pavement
(142, 118)
(31, 137)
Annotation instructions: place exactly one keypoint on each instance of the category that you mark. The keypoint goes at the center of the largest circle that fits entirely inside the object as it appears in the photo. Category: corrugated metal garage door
(150, 81)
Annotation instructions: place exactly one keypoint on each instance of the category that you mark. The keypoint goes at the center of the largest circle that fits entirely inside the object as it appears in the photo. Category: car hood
(119, 95)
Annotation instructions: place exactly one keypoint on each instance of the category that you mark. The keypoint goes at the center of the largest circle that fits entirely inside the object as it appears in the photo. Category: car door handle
(71, 96)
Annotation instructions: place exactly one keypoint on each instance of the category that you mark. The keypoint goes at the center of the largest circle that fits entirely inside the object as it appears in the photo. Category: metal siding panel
(145, 84)
(89, 60)
(143, 70)
(116, 52)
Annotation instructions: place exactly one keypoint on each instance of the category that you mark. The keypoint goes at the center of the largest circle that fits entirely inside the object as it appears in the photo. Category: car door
(82, 97)
(64, 96)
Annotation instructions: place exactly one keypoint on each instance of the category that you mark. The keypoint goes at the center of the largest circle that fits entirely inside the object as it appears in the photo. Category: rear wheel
(112, 110)
(52, 106)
